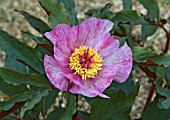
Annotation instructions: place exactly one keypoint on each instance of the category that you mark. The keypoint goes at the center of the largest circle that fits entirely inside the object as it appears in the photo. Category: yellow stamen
(86, 62)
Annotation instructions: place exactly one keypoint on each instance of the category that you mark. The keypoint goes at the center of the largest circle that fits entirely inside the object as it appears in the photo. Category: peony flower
(86, 58)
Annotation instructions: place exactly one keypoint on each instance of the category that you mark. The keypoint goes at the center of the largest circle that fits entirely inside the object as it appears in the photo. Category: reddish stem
(27, 65)
(166, 32)
(167, 42)
(151, 92)
(75, 116)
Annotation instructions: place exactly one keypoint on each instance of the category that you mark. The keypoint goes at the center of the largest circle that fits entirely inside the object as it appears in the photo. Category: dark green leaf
(104, 109)
(164, 103)
(168, 1)
(152, 8)
(21, 51)
(143, 54)
(44, 105)
(16, 106)
(122, 116)
(148, 30)
(122, 41)
(38, 40)
(43, 45)
(56, 113)
(126, 87)
(152, 112)
(57, 13)
(5, 105)
(69, 5)
(36, 98)
(167, 75)
(9, 117)
(159, 71)
(152, 13)
(50, 99)
(15, 78)
(11, 90)
(13, 64)
(127, 4)
(45, 49)
(126, 16)
(70, 108)
(36, 23)
(102, 12)
(83, 115)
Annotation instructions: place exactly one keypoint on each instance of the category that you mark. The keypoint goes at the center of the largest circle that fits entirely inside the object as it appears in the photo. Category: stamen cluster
(86, 62)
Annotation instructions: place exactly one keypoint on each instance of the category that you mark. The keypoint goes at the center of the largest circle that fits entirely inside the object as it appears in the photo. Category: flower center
(86, 62)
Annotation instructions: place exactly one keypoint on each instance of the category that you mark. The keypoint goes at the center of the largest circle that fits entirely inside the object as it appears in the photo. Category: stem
(43, 110)
(75, 116)
(27, 65)
(151, 92)
(168, 40)
(166, 32)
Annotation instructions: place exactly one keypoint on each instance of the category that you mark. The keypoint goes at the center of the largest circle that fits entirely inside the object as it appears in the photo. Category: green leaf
(56, 113)
(102, 12)
(13, 64)
(143, 54)
(50, 99)
(122, 116)
(167, 1)
(125, 16)
(159, 71)
(45, 104)
(167, 75)
(148, 30)
(45, 49)
(69, 5)
(70, 108)
(152, 8)
(164, 103)
(103, 109)
(127, 4)
(38, 40)
(152, 13)
(36, 23)
(126, 87)
(9, 117)
(43, 45)
(5, 105)
(16, 106)
(21, 51)
(152, 112)
(57, 13)
(36, 98)
(11, 90)
(15, 78)
(83, 115)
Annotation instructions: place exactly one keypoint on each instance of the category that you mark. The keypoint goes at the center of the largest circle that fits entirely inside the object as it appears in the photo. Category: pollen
(86, 62)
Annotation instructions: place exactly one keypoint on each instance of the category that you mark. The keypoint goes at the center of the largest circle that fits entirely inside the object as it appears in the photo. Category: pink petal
(60, 29)
(92, 30)
(65, 45)
(104, 77)
(95, 87)
(123, 60)
(62, 51)
(106, 46)
(76, 79)
(88, 90)
(54, 73)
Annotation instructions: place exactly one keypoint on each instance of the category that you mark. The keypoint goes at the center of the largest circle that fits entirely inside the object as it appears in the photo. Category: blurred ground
(13, 23)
